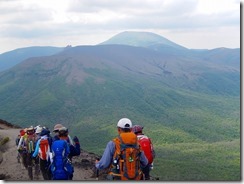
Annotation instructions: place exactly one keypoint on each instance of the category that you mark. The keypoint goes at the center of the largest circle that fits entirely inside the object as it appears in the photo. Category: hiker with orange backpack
(147, 146)
(122, 155)
(43, 151)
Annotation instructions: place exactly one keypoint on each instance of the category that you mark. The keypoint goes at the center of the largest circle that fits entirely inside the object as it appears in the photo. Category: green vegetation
(218, 161)
(4, 141)
(195, 127)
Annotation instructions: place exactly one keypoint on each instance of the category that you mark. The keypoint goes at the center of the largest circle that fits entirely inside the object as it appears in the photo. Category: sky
(194, 24)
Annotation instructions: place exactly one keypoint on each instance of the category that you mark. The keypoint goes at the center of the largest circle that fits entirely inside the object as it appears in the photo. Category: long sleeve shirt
(108, 154)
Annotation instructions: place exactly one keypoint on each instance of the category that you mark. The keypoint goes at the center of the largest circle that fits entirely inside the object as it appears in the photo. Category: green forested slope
(194, 122)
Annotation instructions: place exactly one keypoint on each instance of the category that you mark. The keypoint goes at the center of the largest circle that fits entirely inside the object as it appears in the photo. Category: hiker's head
(137, 129)
(22, 132)
(63, 132)
(38, 130)
(30, 130)
(57, 127)
(44, 132)
(124, 125)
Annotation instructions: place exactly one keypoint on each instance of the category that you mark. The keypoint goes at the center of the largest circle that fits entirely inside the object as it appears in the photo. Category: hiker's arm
(70, 140)
(107, 157)
(20, 142)
(36, 149)
(143, 159)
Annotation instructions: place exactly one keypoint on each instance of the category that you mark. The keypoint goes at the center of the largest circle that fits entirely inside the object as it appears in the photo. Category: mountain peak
(140, 39)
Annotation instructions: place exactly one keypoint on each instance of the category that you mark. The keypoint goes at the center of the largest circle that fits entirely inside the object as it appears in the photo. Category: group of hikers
(127, 157)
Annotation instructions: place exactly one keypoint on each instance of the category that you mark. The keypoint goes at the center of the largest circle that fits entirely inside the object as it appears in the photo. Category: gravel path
(11, 170)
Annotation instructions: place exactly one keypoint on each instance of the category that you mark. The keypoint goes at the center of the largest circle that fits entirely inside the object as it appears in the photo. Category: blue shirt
(108, 154)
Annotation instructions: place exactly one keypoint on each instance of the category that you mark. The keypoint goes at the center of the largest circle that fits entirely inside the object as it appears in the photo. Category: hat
(30, 128)
(137, 128)
(44, 132)
(63, 131)
(22, 132)
(124, 123)
(38, 130)
(57, 127)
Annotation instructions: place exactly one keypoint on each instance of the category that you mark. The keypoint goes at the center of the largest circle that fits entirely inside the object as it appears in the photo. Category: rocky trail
(11, 170)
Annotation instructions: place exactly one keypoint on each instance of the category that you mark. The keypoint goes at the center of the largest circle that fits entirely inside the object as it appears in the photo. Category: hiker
(43, 151)
(22, 149)
(74, 144)
(38, 130)
(122, 155)
(147, 146)
(17, 140)
(29, 143)
(61, 166)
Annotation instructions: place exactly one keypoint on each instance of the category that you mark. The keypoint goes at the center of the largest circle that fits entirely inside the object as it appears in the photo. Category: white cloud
(63, 21)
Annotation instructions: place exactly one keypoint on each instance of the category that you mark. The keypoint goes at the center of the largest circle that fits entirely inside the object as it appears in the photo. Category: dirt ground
(11, 170)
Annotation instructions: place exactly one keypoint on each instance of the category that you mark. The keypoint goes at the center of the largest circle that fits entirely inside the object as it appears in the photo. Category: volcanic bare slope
(181, 96)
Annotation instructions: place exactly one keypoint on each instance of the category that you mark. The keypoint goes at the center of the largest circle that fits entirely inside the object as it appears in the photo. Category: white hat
(124, 123)
(38, 129)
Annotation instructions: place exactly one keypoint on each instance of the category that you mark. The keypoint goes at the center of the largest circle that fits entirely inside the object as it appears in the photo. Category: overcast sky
(198, 24)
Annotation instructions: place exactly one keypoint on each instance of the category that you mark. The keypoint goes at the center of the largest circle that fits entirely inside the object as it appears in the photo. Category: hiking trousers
(45, 169)
(146, 171)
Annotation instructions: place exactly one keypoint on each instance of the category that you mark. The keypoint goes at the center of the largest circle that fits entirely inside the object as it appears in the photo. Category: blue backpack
(61, 166)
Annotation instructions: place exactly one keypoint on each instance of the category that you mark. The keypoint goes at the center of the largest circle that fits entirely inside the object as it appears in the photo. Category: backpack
(61, 167)
(147, 147)
(44, 149)
(30, 143)
(74, 149)
(126, 159)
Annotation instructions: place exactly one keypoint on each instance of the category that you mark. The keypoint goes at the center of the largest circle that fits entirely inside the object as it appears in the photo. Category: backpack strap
(122, 142)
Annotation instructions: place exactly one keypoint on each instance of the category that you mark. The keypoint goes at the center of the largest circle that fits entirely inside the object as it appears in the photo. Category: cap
(57, 127)
(124, 123)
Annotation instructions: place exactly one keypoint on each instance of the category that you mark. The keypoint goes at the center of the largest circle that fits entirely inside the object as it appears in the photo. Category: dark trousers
(146, 171)
(45, 169)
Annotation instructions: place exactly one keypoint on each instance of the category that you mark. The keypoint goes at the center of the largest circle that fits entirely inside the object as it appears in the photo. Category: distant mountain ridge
(11, 58)
(140, 39)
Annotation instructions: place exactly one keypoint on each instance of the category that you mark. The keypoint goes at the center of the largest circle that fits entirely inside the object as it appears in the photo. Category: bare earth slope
(11, 170)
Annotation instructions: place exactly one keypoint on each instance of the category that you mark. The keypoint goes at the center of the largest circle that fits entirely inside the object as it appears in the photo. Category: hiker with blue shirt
(124, 126)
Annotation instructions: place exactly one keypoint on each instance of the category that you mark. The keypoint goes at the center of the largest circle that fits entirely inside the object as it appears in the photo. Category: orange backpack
(126, 159)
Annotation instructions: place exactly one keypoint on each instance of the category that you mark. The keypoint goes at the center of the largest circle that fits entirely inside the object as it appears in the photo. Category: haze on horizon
(196, 24)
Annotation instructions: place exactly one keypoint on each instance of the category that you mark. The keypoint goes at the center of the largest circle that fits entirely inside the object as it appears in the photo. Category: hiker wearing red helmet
(147, 146)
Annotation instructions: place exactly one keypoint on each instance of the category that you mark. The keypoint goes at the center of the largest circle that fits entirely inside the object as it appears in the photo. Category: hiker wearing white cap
(111, 160)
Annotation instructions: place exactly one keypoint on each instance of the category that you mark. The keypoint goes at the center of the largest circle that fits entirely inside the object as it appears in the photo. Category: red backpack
(146, 146)
(44, 149)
